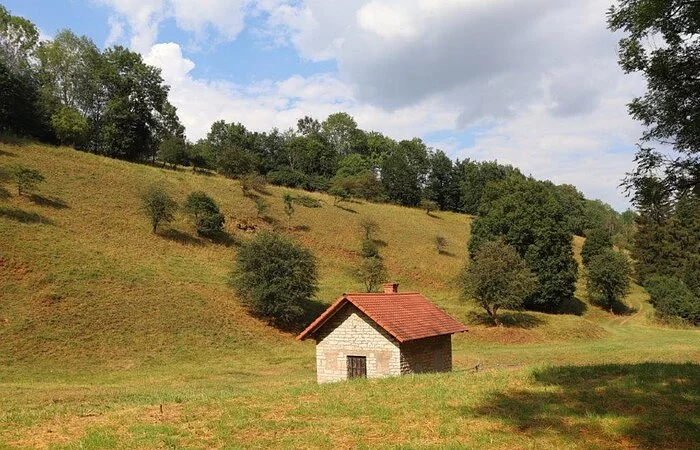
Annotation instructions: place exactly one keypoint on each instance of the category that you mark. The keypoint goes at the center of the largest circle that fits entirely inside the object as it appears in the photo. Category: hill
(112, 337)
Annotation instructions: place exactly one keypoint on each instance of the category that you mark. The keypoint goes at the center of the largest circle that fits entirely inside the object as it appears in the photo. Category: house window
(357, 367)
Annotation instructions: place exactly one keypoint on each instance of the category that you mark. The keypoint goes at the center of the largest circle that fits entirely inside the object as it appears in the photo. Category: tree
(173, 151)
(70, 126)
(608, 278)
(369, 228)
(372, 273)
(429, 206)
(669, 109)
(673, 299)
(525, 213)
(288, 207)
(440, 243)
(341, 132)
(158, 206)
(597, 241)
(275, 278)
(339, 194)
(404, 171)
(205, 213)
(474, 178)
(497, 278)
(443, 181)
(27, 179)
(260, 206)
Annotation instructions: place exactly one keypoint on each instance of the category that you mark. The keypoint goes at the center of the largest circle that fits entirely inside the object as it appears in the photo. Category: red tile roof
(406, 316)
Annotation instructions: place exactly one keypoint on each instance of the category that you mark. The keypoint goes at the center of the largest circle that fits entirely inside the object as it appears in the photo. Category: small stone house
(381, 335)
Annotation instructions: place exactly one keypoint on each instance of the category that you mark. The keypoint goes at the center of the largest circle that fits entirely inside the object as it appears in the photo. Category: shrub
(71, 127)
(429, 206)
(496, 278)
(608, 277)
(27, 179)
(205, 213)
(440, 243)
(369, 228)
(260, 206)
(307, 201)
(275, 278)
(597, 241)
(288, 177)
(339, 194)
(173, 151)
(288, 207)
(253, 182)
(372, 273)
(369, 248)
(673, 299)
(158, 206)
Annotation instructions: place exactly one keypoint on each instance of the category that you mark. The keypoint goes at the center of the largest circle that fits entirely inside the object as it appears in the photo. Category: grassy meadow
(112, 337)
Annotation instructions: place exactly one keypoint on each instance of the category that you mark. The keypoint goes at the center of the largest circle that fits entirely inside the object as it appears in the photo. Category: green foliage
(26, 179)
(70, 126)
(404, 171)
(260, 206)
(205, 213)
(369, 228)
(339, 194)
(440, 243)
(598, 241)
(307, 201)
(669, 109)
(443, 181)
(173, 151)
(158, 206)
(608, 277)
(252, 182)
(673, 299)
(429, 206)
(372, 273)
(288, 207)
(475, 177)
(496, 278)
(369, 248)
(276, 278)
(527, 215)
(288, 177)
(341, 132)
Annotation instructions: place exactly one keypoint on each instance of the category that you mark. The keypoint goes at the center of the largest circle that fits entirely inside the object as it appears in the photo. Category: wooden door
(357, 367)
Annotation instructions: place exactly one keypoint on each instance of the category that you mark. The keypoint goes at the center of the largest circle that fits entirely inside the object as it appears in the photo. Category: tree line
(65, 90)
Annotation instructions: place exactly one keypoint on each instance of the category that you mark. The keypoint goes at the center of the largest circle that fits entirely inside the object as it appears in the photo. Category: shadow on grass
(4, 193)
(180, 237)
(269, 220)
(508, 319)
(51, 202)
(434, 216)
(6, 153)
(345, 208)
(23, 216)
(301, 228)
(647, 405)
(573, 306)
(446, 253)
(379, 243)
(618, 308)
(223, 238)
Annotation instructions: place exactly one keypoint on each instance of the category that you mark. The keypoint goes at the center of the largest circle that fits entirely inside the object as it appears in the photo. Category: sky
(533, 83)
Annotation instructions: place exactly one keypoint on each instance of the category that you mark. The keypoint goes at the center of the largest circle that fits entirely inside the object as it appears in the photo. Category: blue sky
(533, 83)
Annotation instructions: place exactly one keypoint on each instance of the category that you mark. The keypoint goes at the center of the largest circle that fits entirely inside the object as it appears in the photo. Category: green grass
(102, 324)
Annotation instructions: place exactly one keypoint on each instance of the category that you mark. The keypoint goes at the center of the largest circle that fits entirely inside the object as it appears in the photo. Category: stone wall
(351, 333)
(432, 354)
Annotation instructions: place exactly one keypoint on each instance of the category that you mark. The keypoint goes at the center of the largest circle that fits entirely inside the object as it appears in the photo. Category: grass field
(112, 337)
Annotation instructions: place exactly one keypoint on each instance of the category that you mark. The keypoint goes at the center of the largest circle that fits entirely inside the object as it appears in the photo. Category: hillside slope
(84, 278)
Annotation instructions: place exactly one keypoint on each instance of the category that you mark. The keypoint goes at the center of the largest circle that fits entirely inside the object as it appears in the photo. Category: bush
(597, 241)
(253, 182)
(369, 228)
(173, 151)
(673, 299)
(260, 206)
(369, 248)
(429, 206)
(71, 127)
(307, 201)
(339, 194)
(158, 206)
(288, 177)
(275, 278)
(496, 278)
(27, 179)
(372, 273)
(608, 277)
(205, 213)
(440, 243)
